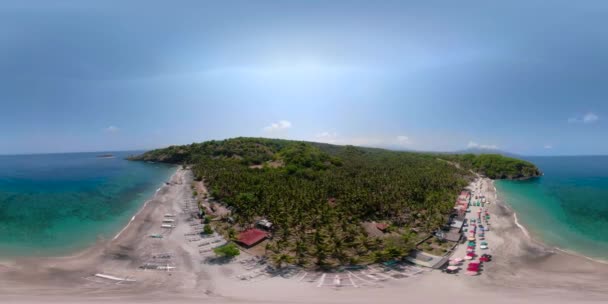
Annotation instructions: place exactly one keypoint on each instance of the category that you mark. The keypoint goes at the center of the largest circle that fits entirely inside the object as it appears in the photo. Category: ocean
(55, 204)
(567, 207)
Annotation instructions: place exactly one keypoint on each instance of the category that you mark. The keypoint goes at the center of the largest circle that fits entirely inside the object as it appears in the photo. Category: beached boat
(113, 278)
(156, 236)
(167, 226)
(165, 267)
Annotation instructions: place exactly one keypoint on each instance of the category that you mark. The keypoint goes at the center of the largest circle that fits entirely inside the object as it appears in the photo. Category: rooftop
(382, 226)
(251, 237)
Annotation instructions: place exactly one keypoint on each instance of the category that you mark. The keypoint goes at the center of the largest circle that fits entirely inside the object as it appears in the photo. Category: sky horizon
(473, 150)
(523, 77)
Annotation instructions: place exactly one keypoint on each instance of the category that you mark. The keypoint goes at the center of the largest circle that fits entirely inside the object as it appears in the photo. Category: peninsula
(332, 205)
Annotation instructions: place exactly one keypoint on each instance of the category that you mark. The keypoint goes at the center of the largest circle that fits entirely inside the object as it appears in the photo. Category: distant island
(105, 156)
(328, 205)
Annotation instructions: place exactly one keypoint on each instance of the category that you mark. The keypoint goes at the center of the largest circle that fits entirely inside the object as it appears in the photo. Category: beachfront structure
(426, 260)
(458, 218)
(457, 223)
(251, 237)
(453, 235)
(264, 224)
(382, 227)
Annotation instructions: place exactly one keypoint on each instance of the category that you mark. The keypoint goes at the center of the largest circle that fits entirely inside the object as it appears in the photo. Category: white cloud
(332, 137)
(588, 118)
(548, 147)
(474, 145)
(327, 137)
(112, 129)
(276, 126)
(403, 140)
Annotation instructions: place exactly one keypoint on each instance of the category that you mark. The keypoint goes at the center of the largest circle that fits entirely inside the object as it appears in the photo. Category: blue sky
(521, 76)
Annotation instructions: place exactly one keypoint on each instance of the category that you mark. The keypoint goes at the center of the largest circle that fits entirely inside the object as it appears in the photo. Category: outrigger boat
(167, 268)
(113, 278)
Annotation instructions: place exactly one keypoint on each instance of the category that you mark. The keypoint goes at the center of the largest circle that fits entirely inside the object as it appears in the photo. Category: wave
(574, 253)
(129, 223)
(523, 229)
(566, 251)
(133, 218)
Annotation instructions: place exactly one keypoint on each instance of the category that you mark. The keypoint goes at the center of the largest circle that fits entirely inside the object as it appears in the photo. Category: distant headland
(107, 155)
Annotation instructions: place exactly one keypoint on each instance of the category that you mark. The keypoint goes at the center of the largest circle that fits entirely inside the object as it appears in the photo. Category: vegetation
(435, 246)
(207, 230)
(227, 251)
(321, 195)
(495, 166)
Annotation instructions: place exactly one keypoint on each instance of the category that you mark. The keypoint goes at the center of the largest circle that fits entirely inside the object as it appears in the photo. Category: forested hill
(321, 197)
(263, 152)
(495, 166)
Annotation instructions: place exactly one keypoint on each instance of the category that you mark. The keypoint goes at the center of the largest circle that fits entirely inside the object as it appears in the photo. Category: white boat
(113, 278)
(167, 267)
(167, 226)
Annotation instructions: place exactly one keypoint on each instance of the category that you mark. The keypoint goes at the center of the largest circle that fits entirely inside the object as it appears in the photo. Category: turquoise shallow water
(55, 204)
(568, 206)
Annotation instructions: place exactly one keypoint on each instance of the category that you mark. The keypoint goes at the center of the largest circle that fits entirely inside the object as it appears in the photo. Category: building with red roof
(251, 237)
(382, 227)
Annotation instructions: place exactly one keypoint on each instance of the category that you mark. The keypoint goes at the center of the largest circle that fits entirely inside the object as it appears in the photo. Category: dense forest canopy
(319, 196)
(495, 166)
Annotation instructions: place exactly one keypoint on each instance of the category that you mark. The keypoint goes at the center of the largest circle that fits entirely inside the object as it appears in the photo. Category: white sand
(522, 271)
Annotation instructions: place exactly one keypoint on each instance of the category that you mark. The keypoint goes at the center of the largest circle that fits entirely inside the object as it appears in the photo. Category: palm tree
(280, 259)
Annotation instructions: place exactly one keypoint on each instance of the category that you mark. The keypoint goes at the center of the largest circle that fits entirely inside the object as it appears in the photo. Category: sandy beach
(522, 271)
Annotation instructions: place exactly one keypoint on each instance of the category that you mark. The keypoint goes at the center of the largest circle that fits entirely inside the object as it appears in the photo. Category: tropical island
(105, 155)
(325, 202)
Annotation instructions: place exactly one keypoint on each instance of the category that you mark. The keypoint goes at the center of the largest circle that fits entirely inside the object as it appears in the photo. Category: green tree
(280, 259)
(207, 229)
(227, 251)
(231, 233)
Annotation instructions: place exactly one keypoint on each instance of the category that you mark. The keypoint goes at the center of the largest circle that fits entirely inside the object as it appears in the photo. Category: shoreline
(137, 213)
(523, 229)
(524, 260)
(533, 237)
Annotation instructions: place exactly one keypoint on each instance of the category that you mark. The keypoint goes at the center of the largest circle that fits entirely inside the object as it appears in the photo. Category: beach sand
(522, 271)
